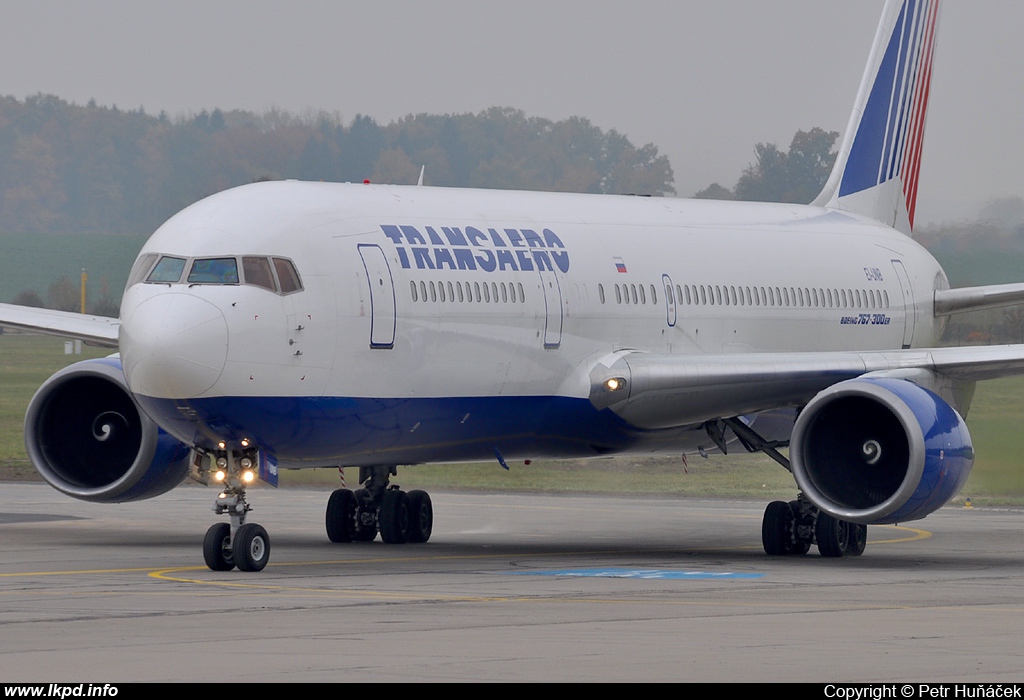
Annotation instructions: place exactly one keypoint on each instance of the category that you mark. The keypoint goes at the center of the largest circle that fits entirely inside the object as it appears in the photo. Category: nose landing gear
(240, 544)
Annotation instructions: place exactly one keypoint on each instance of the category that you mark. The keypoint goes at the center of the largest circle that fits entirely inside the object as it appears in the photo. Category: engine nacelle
(88, 438)
(880, 450)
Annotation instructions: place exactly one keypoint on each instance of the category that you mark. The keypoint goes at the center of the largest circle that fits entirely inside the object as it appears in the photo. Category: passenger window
(257, 272)
(167, 270)
(214, 271)
(287, 276)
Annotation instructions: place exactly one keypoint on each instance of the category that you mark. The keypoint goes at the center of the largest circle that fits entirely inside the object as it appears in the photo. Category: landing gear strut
(791, 528)
(240, 544)
(359, 515)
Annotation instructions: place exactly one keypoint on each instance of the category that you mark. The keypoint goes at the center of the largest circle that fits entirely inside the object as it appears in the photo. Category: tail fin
(876, 171)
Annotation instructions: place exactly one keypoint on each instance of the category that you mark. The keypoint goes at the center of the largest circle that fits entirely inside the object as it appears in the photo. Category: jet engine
(87, 436)
(880, 450)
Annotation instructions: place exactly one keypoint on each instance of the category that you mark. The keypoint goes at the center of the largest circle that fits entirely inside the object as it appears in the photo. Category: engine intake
(88, 438)
(880, 450)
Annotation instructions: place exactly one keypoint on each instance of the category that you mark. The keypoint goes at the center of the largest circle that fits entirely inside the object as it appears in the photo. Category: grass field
(995, 423)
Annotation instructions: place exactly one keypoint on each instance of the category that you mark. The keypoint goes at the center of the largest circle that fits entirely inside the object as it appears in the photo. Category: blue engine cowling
(88, 438)
(880, 450)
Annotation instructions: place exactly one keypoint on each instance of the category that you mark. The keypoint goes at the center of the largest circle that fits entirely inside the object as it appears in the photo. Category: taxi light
(221, 445)
(245, 442)
(248, 476)
(219, 475)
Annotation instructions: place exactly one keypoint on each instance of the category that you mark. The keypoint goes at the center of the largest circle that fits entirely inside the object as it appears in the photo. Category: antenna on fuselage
(423, 169)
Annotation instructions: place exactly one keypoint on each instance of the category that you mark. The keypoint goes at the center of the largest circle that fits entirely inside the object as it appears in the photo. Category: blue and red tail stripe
(888, 141)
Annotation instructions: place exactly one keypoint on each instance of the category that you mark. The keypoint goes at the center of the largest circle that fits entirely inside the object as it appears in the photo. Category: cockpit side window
(257, 272)
(287, 276)
(168, 270)
(142, 265)
(214, 271)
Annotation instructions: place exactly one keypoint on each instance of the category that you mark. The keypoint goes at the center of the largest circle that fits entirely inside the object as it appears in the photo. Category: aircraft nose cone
(173, 346)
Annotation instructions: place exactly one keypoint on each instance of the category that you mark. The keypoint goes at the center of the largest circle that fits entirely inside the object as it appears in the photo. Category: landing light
(222, 462)
(219, 475)
(248, 476)
(246, 463)
(615, 384)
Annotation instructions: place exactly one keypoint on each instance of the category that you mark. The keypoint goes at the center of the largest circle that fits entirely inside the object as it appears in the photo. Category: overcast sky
(704, 80)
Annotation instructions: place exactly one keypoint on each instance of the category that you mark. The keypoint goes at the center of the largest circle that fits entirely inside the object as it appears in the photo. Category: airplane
(307, 324)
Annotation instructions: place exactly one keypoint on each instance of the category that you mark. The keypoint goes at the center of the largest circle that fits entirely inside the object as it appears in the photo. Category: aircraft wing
(661, 391)
(93, 330)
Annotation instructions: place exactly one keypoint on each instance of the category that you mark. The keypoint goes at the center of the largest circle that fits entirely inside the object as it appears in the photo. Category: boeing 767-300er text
(302, 324)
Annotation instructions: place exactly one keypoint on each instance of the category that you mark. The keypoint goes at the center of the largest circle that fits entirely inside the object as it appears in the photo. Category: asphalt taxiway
(510, 587)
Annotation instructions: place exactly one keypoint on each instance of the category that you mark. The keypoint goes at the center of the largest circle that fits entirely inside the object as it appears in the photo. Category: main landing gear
(359, 515)
(240, 544)
(791, 528)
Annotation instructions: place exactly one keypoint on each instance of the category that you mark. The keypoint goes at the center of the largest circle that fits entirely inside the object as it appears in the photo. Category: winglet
(876, 171)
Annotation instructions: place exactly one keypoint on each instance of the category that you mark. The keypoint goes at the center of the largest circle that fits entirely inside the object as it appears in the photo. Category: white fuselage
(421, 298)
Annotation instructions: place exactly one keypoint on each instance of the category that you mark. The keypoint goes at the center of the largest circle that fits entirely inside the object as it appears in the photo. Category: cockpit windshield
(167, 270)
(214, 271)
(277, 275)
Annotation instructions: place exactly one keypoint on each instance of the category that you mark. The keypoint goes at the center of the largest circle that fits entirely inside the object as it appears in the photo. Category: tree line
(67, 168)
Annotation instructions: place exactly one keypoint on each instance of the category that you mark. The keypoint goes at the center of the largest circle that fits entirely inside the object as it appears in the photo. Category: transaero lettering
(469, 248)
